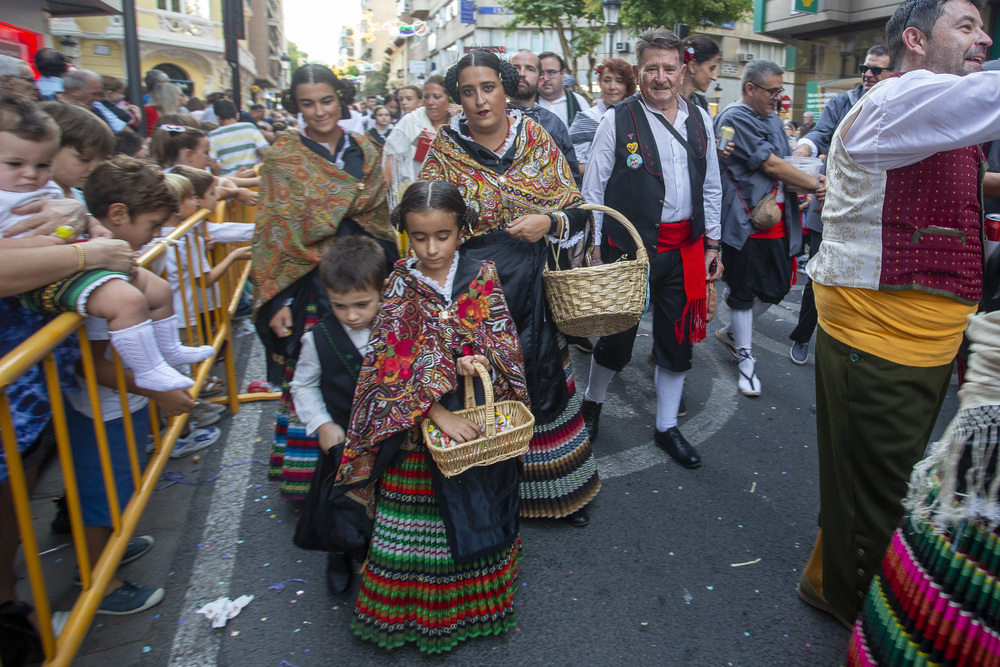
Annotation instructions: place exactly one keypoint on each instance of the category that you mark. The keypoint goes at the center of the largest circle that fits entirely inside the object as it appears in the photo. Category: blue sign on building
(468, 11)
(495, 10)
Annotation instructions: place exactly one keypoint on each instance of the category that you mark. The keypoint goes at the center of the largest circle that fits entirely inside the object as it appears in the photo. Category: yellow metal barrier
(207, 316)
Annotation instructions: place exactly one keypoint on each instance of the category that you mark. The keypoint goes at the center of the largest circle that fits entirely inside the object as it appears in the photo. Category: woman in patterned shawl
(444, 551)
(510, 171)
(316, 184)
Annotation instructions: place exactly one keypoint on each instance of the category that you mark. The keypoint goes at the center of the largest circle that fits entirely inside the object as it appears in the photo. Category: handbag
(330, 520)
(765, 213)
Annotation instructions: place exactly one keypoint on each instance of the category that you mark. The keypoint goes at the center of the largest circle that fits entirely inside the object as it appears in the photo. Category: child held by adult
(137, 306)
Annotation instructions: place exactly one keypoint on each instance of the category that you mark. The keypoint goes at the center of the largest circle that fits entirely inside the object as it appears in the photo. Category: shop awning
(58, 8)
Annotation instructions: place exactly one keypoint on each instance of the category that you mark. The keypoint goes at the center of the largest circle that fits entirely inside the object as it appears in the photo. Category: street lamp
(611, 10)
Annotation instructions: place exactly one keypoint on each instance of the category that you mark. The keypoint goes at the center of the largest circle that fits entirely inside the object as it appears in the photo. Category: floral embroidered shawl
(303, 198)
(538, 181)
(415, 340)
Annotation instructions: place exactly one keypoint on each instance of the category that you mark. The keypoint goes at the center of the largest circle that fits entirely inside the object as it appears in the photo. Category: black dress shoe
(581, 344)
(591, 417)
(672, 442)
(577, 519)
(338, 572)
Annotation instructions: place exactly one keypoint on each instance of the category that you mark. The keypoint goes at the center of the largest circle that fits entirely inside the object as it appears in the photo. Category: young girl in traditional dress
(443, 557)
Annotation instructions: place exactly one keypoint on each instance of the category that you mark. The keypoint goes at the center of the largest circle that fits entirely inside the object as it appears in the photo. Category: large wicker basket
(493, 446)
(600, 300)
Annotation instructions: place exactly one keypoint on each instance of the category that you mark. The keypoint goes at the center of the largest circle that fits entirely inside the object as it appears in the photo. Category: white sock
(170, 345)
(741, 327)
(669, 388)
(139, 351)
(759, 307)
(600, 379)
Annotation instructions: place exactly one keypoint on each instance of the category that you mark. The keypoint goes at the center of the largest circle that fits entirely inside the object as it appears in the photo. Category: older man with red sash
(899, 272)
(653, 159)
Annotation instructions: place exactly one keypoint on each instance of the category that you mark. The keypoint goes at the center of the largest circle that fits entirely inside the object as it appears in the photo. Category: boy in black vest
(353, 273)
(653, 159)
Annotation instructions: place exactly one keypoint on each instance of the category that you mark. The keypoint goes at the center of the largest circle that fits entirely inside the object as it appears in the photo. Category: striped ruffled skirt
(935, 600)
(411, 589)
(560, 473)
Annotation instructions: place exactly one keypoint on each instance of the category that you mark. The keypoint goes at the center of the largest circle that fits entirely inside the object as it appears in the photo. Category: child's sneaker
(130, 598)
(206, 414)
(195, 441)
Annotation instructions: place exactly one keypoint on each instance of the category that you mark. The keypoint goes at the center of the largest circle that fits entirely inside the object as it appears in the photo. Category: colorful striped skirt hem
(411, 589)
(560, 473)
(935, 601)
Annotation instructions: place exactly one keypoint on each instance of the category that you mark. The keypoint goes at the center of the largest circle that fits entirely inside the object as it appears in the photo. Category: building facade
(827, 46)
(183, 38)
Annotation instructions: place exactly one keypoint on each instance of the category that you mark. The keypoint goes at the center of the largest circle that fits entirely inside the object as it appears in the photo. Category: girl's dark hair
(704, 47)
(166, 145)
(426, 196)
(508, 75)
(318, 74)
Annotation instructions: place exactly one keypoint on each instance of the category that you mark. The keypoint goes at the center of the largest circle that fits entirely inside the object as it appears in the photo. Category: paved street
(677, 567)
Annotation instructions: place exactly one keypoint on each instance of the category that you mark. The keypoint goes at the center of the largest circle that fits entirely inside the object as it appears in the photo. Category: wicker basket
(601, 300)
(493, 446)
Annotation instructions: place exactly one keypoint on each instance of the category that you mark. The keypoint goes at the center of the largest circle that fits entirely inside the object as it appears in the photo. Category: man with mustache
(653, 159)
(758, 257)
(528, 67)
(898, 273)
(877, 67)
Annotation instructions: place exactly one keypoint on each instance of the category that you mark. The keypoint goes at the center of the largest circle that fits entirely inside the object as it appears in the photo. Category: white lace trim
(443, 290)
(515, 117)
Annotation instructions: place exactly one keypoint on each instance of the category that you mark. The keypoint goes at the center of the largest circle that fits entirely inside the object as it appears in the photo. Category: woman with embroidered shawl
(934, 599)
(444, 552)
(316, 184)
(510, 171)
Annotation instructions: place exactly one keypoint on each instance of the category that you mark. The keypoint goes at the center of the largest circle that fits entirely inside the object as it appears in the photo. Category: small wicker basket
(601, 300)
(493, 446)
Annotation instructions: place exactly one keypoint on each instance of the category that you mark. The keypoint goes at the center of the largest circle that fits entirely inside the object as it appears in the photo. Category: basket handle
(640, 253)
(470, 396)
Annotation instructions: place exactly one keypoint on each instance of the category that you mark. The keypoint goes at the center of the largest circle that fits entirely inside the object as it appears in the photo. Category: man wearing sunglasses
(898, 273)
(758, 260)
(877, 67)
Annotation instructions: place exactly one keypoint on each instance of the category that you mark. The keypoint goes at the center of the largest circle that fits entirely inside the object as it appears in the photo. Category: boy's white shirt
(306, 394)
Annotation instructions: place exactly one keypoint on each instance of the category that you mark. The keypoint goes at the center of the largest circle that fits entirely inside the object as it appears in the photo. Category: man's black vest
(636, 193)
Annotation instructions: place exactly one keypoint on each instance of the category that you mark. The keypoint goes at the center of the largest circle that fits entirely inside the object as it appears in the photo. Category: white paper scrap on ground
(224, 609)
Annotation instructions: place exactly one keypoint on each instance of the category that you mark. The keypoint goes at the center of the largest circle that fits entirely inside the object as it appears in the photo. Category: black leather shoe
(591, 417)
(338, 572)
(577, 519)
(672, 442)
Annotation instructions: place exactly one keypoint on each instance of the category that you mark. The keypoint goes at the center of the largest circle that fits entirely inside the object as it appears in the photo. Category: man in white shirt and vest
(553, 95)
(654, 160)
(898, 273)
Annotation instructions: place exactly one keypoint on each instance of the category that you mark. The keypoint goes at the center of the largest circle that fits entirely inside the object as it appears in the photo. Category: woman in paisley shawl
(316, 184)
(510, 171)
(444, 551)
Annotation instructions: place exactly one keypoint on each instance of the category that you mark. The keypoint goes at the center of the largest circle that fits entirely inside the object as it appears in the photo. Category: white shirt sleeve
(599, 167)
(306, 394)
(813, 150)
(231, 232)
(907, 119)
(713, 183)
